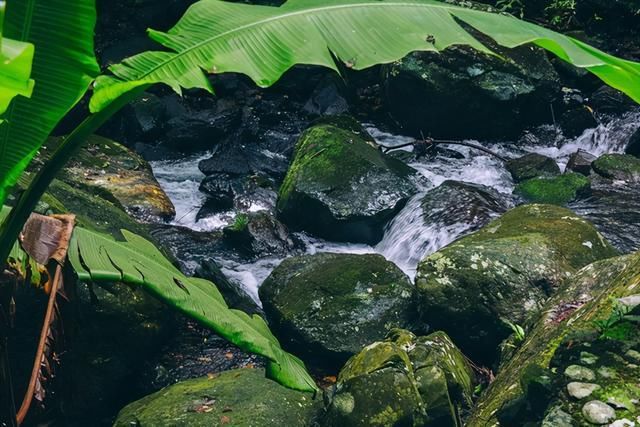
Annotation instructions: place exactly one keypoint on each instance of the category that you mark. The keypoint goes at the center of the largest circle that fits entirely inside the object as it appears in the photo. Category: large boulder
(115, 173)
(327, 306)
(462, 93)
(586, 345)
(403, 380)
(341, 187)
(503, 273)
(242, 397)
(622, 167)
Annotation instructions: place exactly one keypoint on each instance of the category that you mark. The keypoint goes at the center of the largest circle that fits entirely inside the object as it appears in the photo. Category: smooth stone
(597, 412)
(581, 390)
(606, 372)
(577, 372)
(633, 354)
(558, 418)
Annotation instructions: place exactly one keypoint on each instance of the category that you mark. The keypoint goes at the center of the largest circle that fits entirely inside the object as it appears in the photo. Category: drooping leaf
(138, 262)
(263, 42)
(64, 66)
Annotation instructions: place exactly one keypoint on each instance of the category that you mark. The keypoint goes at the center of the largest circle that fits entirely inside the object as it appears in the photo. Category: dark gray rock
(326, 307)
(580, 162)
(532, 165)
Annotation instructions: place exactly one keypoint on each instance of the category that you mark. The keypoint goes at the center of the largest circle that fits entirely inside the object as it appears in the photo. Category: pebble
(606, 372)
(581, 390)
(597, 412)
(633, 354)
(557, 418)
(577, 372)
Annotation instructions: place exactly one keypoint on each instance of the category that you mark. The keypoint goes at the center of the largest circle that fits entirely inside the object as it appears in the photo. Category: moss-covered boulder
(588, 343)
(461, 93)
(111, 171)
(623, 167)
(532, 165)
(242, 397)
(340, 186)
(557, 190)
(503, 273)
(403, 380)
(327, 306)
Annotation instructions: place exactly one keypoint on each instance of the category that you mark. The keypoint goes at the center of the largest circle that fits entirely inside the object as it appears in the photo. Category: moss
(558, 190)
(328, 306)
(404, 380)
(505, 271)
(242, 397)
(618, 166)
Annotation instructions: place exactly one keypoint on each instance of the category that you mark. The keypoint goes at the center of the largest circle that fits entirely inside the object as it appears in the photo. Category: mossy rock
(504, 273)
(532, 165)
(622, 167)
(112, 171)
(403, 380)
(327, 306)
(341, 187)
(579, 338)
(241, 397)
(558, 190)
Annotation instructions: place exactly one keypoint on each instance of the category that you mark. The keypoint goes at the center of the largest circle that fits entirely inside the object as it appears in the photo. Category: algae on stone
(558, 190)
(403, 380)
(241, 397)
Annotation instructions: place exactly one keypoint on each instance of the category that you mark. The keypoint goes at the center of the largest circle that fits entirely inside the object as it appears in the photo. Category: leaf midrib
(178, 55)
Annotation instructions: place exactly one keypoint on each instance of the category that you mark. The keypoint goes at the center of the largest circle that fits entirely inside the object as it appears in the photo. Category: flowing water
(412, 234)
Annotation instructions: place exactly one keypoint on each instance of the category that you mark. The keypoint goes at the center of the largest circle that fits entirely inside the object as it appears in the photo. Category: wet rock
(245, 194)
(402, 380)
(621, 167)
(259, 234)
(607, 100)
(327, 306)
(580, 162)
(234, 295)
(242, 397)
(460, 202)
(340, 187)
(574, 121)
(532, 165)
(614, 208)
(461, 93)
(557, 190)
(113, 172)
(505, 271)
(633, 147)
(327, 99)
(580, 318)
(597, 412)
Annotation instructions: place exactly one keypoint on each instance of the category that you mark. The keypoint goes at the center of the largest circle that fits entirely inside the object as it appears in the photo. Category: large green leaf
(137, 262)
(16, 59)
(64, 66)
(263, 42)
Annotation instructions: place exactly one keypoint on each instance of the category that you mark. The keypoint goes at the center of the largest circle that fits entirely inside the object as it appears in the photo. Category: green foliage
(240, 223)
(15, 67)
(514, 7)
(619, 325)
(64, 66)
(561, 13)
(137, 262)
(518, 332)
(264, 42)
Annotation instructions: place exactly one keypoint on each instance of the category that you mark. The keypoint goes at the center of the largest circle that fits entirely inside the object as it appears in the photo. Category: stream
(410, 235)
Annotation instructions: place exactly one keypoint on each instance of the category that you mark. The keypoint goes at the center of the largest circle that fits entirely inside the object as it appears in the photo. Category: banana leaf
(137, 262)
(263, 42)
